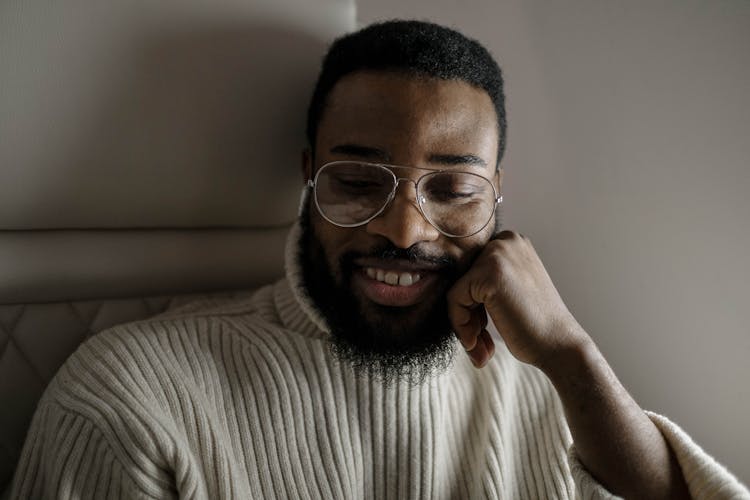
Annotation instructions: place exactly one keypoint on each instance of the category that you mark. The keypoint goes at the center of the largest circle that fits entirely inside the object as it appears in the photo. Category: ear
(498, 179)
(306, 165)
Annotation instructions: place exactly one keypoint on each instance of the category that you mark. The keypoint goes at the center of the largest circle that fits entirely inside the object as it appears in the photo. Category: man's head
(411, 48)
(408, 96)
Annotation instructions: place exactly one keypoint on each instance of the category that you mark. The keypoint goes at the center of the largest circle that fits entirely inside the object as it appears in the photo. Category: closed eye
(453, 189)
(357, 186)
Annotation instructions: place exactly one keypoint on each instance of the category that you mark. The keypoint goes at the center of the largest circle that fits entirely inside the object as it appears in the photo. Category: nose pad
(402, 221)
(407, 188)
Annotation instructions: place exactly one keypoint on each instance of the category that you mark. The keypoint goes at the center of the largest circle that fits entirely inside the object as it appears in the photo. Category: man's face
(403, 120)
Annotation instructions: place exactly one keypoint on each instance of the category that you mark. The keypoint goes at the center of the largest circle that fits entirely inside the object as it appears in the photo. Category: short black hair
(411, 47)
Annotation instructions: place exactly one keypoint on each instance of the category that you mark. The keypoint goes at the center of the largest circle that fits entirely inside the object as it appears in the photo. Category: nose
(402, 221)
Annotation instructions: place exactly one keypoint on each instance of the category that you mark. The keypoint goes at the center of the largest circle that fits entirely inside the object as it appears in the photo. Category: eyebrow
(372, 153)
(362, 151)
(458, 160)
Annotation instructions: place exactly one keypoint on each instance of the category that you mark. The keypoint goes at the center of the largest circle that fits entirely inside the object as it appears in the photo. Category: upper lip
(396, 265)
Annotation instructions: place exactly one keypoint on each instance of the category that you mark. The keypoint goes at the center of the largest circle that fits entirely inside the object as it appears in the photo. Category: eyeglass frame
(311, 183)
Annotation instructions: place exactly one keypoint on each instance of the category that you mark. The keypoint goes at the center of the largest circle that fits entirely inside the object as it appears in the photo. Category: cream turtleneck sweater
(243, 399)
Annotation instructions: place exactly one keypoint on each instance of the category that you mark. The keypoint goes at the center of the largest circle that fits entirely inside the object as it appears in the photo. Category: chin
(392, 344)
(389, 343)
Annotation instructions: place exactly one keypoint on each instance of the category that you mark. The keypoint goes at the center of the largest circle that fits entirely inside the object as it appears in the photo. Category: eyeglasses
(352, 193)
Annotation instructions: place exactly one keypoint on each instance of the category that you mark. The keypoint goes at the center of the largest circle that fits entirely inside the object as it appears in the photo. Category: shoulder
(138, 384)
(195, 345)
(180, 342)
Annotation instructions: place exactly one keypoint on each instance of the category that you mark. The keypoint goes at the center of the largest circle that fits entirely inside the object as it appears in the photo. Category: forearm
(614, 439)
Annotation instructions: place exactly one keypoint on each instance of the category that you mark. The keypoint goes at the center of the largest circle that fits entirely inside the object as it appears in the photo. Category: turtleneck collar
(297, 310)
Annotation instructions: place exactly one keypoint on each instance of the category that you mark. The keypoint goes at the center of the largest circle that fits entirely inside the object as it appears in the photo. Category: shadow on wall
(200, 127)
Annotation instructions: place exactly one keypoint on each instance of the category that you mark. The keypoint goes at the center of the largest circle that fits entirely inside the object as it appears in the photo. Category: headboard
(149, 152)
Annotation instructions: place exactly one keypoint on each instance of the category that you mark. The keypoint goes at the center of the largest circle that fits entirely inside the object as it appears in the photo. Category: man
(344, 379)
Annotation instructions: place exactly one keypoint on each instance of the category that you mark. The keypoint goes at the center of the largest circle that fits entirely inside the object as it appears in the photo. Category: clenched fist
(509, 282)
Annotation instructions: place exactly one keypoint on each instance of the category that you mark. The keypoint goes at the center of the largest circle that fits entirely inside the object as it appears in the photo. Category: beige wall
(628, 167)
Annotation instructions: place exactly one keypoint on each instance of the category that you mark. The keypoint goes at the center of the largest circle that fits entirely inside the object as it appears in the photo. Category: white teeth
(392, 277)
(405, 279)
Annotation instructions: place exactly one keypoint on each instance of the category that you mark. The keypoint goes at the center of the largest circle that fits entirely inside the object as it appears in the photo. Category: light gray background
(628, 168)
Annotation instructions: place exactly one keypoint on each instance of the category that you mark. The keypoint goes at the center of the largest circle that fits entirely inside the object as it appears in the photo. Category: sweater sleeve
(67, 456)
(705, 477)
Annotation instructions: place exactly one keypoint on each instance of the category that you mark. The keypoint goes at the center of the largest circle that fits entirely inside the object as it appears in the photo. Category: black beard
(389, 343)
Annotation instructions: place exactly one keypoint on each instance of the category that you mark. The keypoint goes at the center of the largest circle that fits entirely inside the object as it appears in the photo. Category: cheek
(332, 240)
(469, 248)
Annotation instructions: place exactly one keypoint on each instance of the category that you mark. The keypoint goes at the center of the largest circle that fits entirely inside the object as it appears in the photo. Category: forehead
(406, 115)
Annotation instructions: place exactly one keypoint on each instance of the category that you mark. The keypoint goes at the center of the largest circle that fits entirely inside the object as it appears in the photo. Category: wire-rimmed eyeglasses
(352, 193)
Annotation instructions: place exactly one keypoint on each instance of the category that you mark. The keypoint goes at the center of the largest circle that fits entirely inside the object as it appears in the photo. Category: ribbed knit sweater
(243, 399)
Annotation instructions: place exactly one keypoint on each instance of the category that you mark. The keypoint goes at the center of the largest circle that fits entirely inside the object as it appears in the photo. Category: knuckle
(497, 263)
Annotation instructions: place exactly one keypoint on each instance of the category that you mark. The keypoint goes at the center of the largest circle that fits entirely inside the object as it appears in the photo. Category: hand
(508, 281)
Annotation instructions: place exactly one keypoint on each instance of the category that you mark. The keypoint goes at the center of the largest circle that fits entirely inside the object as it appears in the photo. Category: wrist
(575, 357)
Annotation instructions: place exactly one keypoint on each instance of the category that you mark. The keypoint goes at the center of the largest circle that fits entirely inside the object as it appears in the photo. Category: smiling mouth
(393, 277)
(395, 287)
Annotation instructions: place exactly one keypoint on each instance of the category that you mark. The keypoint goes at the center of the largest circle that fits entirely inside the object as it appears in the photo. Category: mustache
(413, 254)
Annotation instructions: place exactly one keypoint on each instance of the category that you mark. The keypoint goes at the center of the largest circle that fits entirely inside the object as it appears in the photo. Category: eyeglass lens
(455, 202)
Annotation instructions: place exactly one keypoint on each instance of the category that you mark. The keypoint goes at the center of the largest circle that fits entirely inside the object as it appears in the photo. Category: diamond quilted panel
(113, 312)
(47, 334)
(9, 316)
(87, 311)
(20, 389)
(158, 304)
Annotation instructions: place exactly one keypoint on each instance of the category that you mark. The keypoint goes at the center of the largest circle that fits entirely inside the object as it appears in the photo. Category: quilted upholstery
(35, 339)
